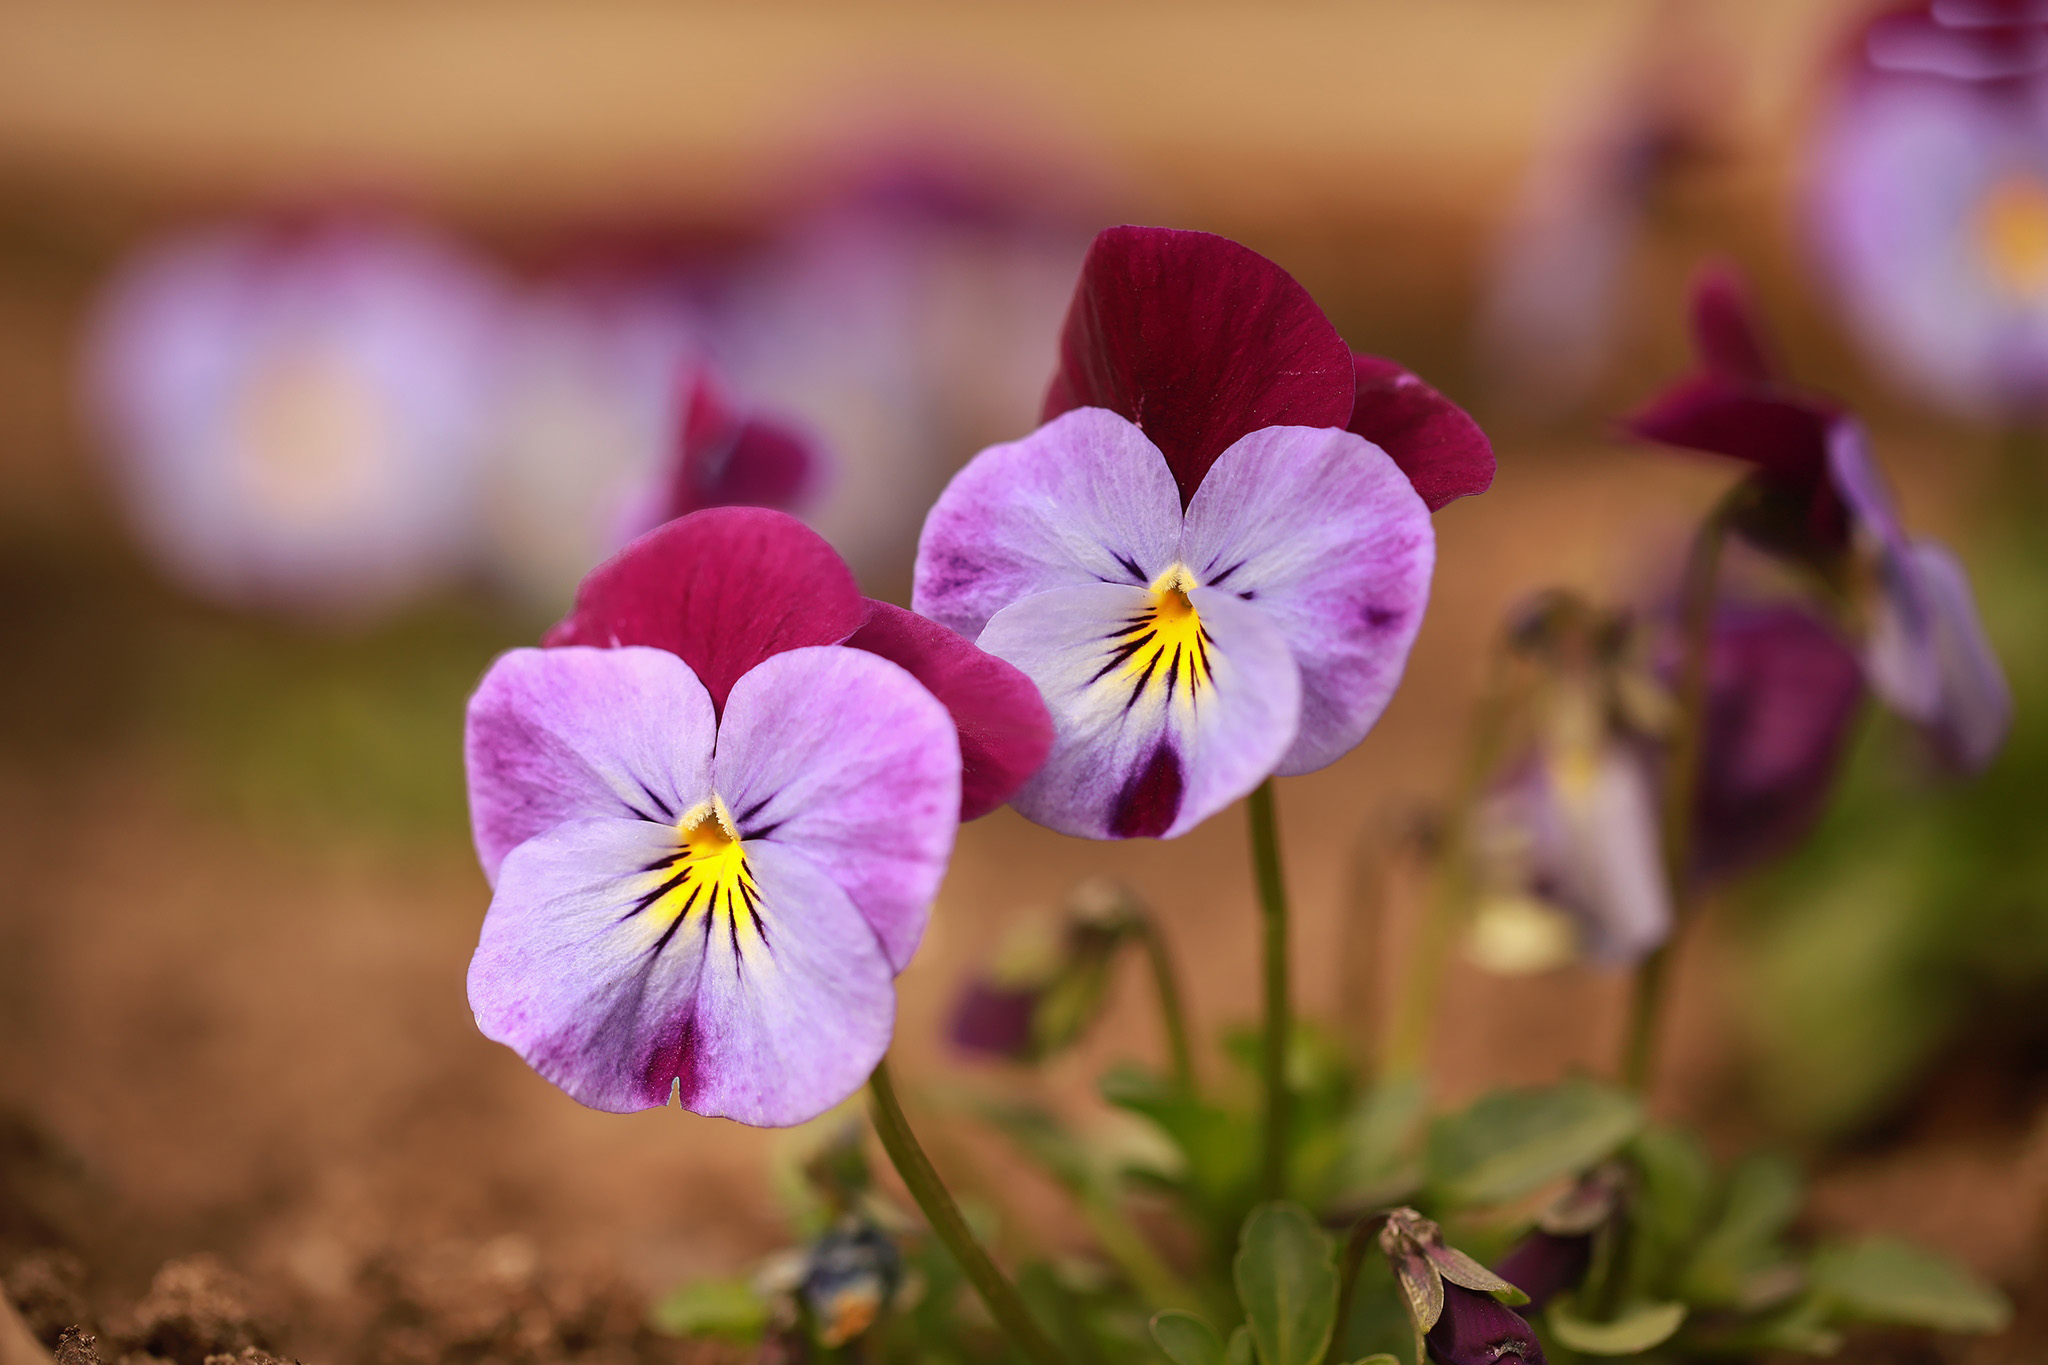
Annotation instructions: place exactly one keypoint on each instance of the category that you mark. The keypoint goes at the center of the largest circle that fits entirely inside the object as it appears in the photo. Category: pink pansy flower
(714, 834)
(296, 409)
(1208, 576)
(1928, 203)
(1818, 500)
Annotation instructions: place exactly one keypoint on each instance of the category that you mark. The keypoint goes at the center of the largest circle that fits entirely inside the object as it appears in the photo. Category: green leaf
(1239, 1352)
(1186, 1338)
(1884, 1279)
(1287, 1281)
(1381, 1162)
(1742, 1263)
(728, 1309)
(1673, 1194)
(1637, 1329)
(1377, 1358)
(1512, 1141)
(1219, 1150)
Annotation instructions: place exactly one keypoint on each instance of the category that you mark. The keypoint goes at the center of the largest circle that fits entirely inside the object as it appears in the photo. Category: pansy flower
(1816, 499)
(1928, 199)
(713, 832)
(296, 409)
(1208, 576)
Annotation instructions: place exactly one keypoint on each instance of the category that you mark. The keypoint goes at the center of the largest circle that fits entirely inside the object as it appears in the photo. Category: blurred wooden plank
(1254, 110)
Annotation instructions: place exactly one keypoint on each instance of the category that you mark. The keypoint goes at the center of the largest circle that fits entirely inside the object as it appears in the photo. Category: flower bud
(1455, 1302)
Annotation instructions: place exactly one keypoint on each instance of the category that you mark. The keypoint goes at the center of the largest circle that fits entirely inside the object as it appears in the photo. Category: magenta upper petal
(567, 734)
(1002, 722)
(595, 996)
(1783, 434)
(1322, 534)
(726, 459)
(1725, 330)
(1086, 498)
(1437, 445)
(1198, 341)
(844, 758)
(1137, 751)
(723, 588)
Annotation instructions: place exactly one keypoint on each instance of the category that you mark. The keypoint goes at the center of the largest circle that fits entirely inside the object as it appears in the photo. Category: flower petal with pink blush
(1434, 441)
(1086, 498)
(723, 588)
(596, 996)
(794, 1006)
(1005, 732)
(845, 758)
(1149, 743)
(1198, 341)
(1321, 533)
(555, 735)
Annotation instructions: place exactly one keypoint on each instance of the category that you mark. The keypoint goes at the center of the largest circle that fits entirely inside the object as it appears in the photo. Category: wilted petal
(843, 757)
(1782, 692)
(566, 734)
(1199, 341)
(1476, 1329)
(1084, 499)
(1005, 732)
(1323, 534)
(723, 588)
(795, 1003)
(1163, 711)
(596, 994)
(1434, 441)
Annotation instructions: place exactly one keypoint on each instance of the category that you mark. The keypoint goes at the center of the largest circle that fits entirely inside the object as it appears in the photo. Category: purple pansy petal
(723, 588)
(1546, 1264)
(845, 758)
(1086, 498)
(1783, 691)
(1154, 753)
(1197, 340)
(1322, 534)
(1973, 710)
(995, 1020)
(565, 734)
(596, 998)
(790, 1015)
(1005, 731)
(1434, 441)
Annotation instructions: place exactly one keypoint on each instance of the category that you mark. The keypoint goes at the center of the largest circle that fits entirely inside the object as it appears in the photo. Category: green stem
(1004, 1303)
(1421, 985)
(1167, 986)
(1681, 782)
(1279, 1018)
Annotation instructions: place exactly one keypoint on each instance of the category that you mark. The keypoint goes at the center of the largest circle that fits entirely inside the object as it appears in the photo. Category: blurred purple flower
(995, 1020)
(296, 410)
(1783, 691)
(1928, 205)
(1816, 498)
(1208, 577)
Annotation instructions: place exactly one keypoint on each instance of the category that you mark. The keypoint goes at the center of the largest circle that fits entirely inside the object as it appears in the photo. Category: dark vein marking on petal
(655, 797)
(1130, 567)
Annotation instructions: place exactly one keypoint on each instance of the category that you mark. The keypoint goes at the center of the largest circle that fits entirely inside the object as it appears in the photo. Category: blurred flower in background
(1928, 200)
(296, 409)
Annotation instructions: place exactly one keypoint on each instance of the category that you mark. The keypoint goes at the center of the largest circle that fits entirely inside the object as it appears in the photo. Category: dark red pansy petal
(1437, 445)
(1725, 330)
(1784, 434)
(1005, 730)
(724, 588)
(725, 460)
(1198, 341)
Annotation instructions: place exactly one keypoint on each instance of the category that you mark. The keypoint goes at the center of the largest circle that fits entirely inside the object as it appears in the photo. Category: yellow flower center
(1165, 645)
(2012, 233)
(705, 881)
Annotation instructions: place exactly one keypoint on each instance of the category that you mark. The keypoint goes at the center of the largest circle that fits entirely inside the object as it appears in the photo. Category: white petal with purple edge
(794, 1011)
(845, 758)
(574, 733)
(596, 997)
(1320, 530)
(1147, 743)
(1086, 498)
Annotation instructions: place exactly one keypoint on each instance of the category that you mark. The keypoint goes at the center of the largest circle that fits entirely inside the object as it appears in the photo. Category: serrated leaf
(1239, 1352)
(1186, 1338)
(1637, 1329)
(1512, 1141)
(1887, 1280)
(1286, 1277)
(727, 1309)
